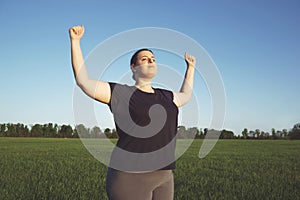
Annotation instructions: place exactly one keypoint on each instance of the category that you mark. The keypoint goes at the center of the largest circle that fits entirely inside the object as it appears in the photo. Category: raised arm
(96, 89)
(185, 93)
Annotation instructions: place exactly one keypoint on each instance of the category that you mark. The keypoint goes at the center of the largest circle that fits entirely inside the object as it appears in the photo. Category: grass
(239, 169)
(36, 168)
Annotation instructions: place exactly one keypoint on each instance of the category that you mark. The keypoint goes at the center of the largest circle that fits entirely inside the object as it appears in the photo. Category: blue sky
(254, 44)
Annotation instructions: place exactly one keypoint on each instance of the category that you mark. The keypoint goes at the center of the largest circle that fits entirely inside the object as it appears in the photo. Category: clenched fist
(190, 60)
(76, 32)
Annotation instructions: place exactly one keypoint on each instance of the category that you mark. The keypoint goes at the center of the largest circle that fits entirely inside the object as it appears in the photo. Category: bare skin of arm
(183, 96)
(96, 89)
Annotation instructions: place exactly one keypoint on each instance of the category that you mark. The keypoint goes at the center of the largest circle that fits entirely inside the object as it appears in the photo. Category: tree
(49, 130)
(22, 130)
(274, 133)
(257, 133)
(10, 130)
(295, 132)
(3, 130)
(82, 131)
(65, 131)
(200, 135)
(245, 133)
(278, 134)
(107, 132)
(75, 133)
(95, 132)
(284, 132)
(262, 135)
(192, 132)
(114, 133)
(225, 134)
(251, 134)
(205, 131)
(36, 130)
(181, 132)
(267, 134)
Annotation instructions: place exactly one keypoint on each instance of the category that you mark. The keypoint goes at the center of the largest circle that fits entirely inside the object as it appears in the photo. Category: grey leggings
(139, 186)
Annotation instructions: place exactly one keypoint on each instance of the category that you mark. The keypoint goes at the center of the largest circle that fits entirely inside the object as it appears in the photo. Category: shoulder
(165, 92)
(114, 85)
(119, 93)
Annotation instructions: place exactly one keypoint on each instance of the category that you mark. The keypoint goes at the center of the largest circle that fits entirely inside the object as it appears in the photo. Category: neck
(144, 85)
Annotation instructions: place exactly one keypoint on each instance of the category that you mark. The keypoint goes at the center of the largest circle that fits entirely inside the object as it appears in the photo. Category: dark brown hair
(134, 56)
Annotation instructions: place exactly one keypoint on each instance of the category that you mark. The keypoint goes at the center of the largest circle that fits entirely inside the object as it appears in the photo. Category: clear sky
(254, 44)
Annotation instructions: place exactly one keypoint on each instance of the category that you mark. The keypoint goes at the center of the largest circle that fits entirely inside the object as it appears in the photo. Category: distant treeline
(51, 130)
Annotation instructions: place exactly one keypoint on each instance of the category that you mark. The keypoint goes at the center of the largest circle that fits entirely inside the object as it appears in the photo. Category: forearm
(79, 69)
(183, 96)
(87, 84)
(188, 82)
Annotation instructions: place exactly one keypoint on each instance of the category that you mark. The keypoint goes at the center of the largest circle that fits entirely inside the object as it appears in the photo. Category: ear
(132, 67)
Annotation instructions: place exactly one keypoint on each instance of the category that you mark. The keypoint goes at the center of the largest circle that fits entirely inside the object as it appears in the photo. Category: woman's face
(145, 65)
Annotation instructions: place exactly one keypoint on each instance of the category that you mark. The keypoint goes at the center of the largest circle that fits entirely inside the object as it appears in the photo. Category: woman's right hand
(76, 32)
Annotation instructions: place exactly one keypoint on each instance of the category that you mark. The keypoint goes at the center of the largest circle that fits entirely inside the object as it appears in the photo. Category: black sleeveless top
(145, 122)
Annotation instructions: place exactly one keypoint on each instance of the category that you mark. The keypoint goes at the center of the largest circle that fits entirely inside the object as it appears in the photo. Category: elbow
(81, 84)
(188, 97)
(85, 86)
(183, 98)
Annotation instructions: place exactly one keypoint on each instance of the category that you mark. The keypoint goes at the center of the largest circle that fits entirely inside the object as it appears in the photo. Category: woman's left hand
(190, 60)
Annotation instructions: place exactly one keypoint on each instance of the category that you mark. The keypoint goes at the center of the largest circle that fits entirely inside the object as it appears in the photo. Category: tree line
(51, 130)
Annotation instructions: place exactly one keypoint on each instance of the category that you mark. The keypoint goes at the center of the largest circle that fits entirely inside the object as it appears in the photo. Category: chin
(152, 75)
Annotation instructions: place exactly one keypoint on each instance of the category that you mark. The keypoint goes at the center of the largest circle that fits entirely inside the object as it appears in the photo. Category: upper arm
(103, 92)
(98, 90)
(180, 98)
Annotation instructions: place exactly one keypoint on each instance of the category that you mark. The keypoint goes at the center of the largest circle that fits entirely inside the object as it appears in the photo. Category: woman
(143, 181)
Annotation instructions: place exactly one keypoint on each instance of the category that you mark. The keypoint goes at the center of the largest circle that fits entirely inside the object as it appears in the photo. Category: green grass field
(36, 168)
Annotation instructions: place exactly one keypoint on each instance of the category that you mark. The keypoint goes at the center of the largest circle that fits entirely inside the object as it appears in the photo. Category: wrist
(75, 40)
(191, 66)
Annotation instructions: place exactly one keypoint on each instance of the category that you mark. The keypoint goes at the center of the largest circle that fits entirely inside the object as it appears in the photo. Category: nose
(150, 60)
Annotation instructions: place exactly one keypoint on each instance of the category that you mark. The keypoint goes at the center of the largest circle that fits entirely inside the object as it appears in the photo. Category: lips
(151, 66)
